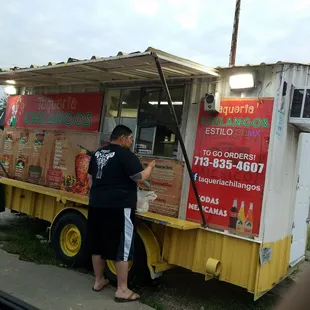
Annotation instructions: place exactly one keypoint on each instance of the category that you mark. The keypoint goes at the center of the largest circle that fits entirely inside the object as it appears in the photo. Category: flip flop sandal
(103, 286)
(129, 299)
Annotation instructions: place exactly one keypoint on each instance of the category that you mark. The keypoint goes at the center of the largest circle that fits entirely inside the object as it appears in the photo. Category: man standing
(114, 172)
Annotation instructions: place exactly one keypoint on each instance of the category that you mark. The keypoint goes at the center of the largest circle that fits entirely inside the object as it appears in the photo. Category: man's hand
(152, 164)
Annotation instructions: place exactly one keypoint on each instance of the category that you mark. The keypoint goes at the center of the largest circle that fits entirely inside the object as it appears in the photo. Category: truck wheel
(137, 268)
(69, 239)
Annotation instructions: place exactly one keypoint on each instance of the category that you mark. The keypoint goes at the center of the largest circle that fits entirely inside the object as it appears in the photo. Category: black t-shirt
(111, 168)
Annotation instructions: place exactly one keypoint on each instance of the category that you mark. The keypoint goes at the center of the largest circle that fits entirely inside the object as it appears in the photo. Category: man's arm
(145, 174)
(133, 167)
(90, 180)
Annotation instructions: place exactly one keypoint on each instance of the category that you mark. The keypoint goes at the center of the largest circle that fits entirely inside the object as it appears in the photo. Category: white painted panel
(281, 179)
(302, 198)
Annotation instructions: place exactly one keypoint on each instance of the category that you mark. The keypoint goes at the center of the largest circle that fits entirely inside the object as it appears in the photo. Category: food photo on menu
(82, 161)
(39, 140)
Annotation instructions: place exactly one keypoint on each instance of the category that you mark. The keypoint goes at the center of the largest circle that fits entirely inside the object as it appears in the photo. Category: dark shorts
(111, 233)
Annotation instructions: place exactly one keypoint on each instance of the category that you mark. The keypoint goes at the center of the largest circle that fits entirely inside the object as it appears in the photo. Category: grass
(18, 236)
(308, 239)
(183, 290)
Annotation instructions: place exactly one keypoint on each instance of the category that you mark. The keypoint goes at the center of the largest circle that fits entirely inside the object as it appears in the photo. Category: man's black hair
(120, 130)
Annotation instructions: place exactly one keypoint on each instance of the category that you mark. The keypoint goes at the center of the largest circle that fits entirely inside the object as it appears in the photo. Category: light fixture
(12, 82)
(165, 102)
(241, 81)
(124, 102)
(10, 90)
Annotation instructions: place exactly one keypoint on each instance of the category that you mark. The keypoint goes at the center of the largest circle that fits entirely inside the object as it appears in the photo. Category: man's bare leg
(100, 281)
(122, 282)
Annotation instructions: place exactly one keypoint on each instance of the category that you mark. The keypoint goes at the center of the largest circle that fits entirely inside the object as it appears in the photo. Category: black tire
(80, 257)
(139, 271)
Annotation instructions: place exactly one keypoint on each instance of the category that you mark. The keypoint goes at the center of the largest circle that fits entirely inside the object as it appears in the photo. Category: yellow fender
(67, 208)
(155, 263)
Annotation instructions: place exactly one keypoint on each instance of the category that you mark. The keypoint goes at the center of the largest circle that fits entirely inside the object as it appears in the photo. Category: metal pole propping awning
(179, 136)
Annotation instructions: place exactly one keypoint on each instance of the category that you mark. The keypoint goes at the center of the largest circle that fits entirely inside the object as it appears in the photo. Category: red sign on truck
(77, 112)
(229, 164)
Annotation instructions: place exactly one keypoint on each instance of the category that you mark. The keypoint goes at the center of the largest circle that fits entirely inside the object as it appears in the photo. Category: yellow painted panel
(239, 257)
(181, 247)
(58, 194)
(37, 205)
(239, 262)
(159, 232)
(191, 250)
(207, 245)
(272, 272)
(168, 221)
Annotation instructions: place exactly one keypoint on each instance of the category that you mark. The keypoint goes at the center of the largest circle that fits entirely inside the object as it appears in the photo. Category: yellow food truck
(230, 144)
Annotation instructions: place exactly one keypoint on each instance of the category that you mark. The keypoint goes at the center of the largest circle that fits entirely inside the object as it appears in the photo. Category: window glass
(177, 96)
(148, 107)
(145, 140)
(166, 143)
(297, 102)
(146, 112)
(306, 112)
(129, 109)
(112, 102)
(156, 119)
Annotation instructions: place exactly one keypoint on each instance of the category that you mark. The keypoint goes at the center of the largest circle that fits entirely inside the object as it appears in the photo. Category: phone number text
(228, 164)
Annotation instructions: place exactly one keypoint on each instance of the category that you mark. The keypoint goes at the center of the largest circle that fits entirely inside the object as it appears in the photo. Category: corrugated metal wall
(281, 174)
(191, 250)
(61, 89)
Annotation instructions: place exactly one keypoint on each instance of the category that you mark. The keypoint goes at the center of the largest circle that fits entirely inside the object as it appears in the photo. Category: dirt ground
(177, 289)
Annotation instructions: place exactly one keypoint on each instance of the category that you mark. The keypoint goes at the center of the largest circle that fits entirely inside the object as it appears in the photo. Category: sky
(37, 31)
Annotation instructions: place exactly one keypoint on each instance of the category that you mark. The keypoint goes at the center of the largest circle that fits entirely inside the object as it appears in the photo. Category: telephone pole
(234, 39)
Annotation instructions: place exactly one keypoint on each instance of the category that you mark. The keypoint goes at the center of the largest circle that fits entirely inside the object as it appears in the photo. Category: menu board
(55, 159)
(48, 139)
(166, 180)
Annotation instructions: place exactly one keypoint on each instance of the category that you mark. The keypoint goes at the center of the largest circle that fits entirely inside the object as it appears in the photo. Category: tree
(3, 103)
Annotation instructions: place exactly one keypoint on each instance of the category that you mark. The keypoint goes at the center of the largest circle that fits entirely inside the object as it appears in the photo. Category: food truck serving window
(156, 131)
(146, 112)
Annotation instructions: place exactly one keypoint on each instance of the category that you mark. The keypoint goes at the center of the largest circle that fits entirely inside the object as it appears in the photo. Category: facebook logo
(195, 176)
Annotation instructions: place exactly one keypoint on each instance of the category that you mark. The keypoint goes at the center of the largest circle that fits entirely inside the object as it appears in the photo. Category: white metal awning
(138, 66)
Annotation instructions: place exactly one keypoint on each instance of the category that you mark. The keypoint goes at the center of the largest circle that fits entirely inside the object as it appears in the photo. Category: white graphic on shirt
(102, 158)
